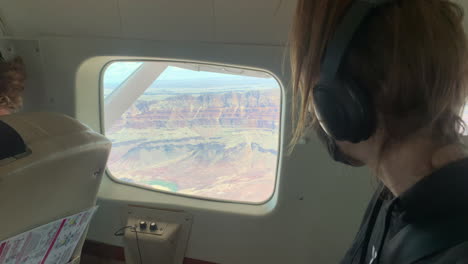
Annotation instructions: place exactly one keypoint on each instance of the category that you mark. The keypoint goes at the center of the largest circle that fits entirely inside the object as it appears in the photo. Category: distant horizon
(118, 72)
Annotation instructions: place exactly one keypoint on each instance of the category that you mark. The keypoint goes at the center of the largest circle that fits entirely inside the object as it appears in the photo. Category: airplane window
(193, 129)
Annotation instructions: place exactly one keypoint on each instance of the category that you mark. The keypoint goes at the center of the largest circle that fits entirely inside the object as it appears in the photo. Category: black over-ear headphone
(344, 109)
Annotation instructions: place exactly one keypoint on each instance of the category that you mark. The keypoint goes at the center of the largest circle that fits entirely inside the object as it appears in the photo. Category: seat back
(55, 174)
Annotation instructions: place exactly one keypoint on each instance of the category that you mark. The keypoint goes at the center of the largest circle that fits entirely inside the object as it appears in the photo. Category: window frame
(189, 196)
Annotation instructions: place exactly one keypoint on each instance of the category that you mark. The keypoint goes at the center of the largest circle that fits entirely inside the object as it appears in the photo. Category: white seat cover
(59, 176)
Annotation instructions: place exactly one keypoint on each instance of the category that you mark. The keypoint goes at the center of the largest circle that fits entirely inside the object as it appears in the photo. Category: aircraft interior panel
(315, 205)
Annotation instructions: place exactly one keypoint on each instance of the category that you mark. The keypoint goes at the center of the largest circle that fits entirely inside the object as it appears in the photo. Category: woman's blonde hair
(12, 81)
(410, 56)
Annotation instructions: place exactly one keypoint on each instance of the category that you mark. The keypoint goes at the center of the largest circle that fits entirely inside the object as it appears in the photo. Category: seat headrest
(10, 141)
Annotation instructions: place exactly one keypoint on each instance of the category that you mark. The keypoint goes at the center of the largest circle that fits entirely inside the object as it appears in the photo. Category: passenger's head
(12, 81)
(409, 56)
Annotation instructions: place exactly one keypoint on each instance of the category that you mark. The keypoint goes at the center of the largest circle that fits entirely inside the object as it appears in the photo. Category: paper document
(52, 243)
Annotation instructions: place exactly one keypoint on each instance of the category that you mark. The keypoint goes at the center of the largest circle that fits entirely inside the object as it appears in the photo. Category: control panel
(158, 236)
(150, 226)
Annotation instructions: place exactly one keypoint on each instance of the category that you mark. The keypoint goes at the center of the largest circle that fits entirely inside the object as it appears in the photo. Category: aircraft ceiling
(230, 21)
(224, 21)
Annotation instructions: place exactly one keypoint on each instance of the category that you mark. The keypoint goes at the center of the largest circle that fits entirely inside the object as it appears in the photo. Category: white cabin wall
(64, 74)
(240, 21)
(316, 229)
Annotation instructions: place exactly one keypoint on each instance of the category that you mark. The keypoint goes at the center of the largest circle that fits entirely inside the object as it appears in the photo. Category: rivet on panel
(97, 173)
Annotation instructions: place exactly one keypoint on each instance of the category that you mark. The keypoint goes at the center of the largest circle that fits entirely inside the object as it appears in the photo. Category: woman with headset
(384, 84)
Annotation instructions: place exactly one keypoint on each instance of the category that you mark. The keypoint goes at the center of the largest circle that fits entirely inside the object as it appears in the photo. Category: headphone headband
(344, 34)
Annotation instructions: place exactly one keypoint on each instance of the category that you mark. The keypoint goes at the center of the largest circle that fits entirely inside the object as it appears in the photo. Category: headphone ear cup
(344, 111)
(363, 110)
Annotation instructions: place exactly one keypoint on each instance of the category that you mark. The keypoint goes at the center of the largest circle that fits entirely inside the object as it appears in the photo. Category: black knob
(142, 224)
(153, 226)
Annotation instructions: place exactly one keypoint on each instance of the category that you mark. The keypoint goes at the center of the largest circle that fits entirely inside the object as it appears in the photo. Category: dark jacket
(438, 198)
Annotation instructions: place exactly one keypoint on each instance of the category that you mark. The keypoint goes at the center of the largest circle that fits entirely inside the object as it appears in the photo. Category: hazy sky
(117, 72)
